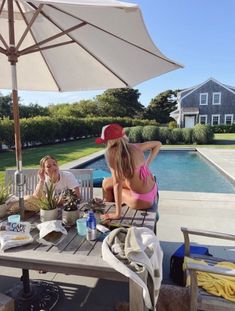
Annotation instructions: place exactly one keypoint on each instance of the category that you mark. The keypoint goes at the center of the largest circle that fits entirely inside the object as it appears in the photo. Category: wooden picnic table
(76, 255)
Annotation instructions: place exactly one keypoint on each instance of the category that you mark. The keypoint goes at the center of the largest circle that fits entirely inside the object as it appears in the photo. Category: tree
(161, 106)
(32, 110)
(5, 106)
(88, 108)
(122, 102)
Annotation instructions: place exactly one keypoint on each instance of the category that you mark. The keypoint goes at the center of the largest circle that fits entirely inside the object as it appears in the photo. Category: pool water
(179, 171)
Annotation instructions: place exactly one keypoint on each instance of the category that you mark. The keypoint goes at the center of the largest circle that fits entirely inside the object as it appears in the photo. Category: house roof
(192, 89)
(190, 110)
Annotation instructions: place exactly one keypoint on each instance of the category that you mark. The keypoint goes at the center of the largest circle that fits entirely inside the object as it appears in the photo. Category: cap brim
(99, 141)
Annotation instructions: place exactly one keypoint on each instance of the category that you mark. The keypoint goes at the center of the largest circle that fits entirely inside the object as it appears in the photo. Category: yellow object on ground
(215, 284)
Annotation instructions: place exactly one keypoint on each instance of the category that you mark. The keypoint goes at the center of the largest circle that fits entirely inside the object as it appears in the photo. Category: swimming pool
(178, 170)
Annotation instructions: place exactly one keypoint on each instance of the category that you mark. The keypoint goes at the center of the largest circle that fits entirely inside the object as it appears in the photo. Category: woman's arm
(153, 146)
(38, 192)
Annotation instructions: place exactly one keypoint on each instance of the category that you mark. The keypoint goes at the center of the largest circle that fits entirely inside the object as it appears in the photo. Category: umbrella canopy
(69, 45)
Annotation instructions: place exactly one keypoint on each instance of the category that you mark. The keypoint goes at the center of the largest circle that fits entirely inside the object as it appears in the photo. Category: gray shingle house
(208, 103)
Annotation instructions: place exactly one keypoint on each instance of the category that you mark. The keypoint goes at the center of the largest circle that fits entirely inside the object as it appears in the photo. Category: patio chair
(199, 298)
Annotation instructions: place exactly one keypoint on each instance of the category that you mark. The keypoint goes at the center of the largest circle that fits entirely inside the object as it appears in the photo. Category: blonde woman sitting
(132, 182)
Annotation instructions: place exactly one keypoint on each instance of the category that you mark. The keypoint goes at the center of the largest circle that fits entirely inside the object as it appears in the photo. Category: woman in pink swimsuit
(132, 182)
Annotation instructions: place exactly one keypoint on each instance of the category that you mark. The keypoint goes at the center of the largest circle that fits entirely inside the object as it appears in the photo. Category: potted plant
(4, 196)
(70, 212)
(97, 206)
(49, 203)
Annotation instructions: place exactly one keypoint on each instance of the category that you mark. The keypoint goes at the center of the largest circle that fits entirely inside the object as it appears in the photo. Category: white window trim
(204, 116)
(216, 93)
(215, 115)
(201, 99)
(228, 115)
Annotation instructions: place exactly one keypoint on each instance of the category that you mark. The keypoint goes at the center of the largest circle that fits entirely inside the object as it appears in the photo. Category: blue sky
(196, 33)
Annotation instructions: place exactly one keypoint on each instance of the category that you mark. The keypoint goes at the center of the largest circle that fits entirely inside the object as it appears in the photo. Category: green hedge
(200, 134)
(224, 128)
(45, 130)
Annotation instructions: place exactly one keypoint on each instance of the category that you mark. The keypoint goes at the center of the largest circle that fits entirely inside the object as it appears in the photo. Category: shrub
(176, 136)
(150, 132)
(172, 124)
(202, 134)
(187, 134)
(135, 134)
(165, 135)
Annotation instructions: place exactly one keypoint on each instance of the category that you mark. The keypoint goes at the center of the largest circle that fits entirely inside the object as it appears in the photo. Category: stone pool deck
(209, 211)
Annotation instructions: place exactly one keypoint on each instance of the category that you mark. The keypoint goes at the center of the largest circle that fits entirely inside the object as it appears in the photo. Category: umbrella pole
(19, 178)
(13, 58)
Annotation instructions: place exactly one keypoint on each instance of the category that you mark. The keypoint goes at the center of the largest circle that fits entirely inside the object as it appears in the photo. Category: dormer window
(203, 98)
(216, 99)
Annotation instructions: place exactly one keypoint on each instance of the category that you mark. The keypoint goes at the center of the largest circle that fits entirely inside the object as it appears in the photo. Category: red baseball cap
(110, 131)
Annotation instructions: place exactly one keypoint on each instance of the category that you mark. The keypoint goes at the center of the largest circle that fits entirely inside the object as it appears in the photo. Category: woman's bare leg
(107, 187)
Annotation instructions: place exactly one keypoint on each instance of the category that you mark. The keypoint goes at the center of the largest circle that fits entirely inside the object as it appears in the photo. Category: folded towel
(215, 284)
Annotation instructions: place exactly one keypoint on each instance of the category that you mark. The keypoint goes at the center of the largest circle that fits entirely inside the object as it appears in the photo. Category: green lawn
(70, 151)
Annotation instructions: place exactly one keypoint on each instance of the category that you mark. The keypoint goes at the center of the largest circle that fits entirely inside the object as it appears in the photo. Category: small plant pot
(46, 215)
(3, 210)
(69, 217)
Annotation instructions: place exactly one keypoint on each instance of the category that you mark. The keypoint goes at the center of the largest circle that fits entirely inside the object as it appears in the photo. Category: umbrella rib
(49, 47)
(3, 51)
(90, 53)
(115, 36)
(1, 8)
(1, 37)
(56, 83)
(5, 44)
(30, 48)
(29, 24)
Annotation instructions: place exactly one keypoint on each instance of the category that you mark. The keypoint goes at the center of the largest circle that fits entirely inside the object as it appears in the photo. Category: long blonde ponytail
(119, 157)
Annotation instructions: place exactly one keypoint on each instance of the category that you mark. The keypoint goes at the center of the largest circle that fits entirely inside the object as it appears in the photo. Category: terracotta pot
(69, 217)
(46, 215)
(3, 210)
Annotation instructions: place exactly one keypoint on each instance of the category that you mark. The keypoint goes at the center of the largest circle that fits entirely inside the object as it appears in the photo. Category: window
(203, 118)
(215, 119)
(216, 100)
(228, 119)
(203, 98)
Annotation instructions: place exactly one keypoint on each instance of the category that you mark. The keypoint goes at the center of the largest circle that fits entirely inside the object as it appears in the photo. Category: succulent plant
(70, 200)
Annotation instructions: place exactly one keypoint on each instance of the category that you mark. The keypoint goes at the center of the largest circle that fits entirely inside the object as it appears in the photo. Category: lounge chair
(199, 298)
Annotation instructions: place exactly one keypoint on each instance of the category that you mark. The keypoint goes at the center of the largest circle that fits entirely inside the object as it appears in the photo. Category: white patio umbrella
(69, 45)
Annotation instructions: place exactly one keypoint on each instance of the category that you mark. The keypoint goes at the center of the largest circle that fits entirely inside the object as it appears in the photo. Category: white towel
(133, 251)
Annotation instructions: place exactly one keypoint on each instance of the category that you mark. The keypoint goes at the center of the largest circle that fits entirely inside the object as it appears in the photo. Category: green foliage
(172, 124)
(150, 132)
(50, 200)
(161, 106)
(224, 128)
(135, 134)
(5, 193)
(122, 102)
(202, 134)
(71, 200)
(165, 135)
(187, 134)
(7, 132)
(5, 106)
(176, 136)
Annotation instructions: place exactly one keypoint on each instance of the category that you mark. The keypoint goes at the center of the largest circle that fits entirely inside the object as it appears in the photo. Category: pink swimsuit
(150, 196)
